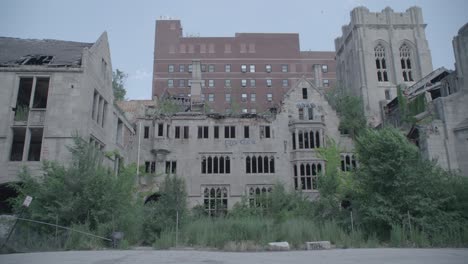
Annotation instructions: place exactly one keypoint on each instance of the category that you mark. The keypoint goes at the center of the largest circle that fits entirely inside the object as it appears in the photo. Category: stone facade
(441, 113)
(378, 51)
(52, 90)
(239, 155)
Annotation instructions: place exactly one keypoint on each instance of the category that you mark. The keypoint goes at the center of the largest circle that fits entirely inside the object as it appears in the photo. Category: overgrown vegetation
(85, 195)
(118, 84)
(393, 198)
(349, 108)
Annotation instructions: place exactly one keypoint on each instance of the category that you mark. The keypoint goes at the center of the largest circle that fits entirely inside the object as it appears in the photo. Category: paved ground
(361, 256)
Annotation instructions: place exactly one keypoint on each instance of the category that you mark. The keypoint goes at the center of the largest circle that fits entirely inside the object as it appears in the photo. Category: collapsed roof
(46, 52)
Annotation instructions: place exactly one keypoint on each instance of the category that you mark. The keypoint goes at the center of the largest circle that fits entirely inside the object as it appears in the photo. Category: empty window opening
(246, 132)
(203, 132)
(40, 93)
(215, 164)
(177, 132)
(35, 144)
(216, 131)
(310, 113)
(160, 129)
(119, 136)
(23, 99)
(229, 132)
(259, 164)
(17, 146)
(146, 132)
(186, 132)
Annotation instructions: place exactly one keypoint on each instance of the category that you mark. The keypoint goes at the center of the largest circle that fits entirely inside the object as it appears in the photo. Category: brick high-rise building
(249, 72)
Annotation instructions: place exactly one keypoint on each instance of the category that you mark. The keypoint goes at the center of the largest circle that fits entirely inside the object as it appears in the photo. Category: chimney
(197, 105)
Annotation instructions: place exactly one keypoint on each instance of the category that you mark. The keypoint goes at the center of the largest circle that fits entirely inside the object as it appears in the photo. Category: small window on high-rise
(269, 97)
(227, 68)
(268, 68)
(171, 68)
(227, 83)
(243, 68)
(244, 82)
(252, 68)
(268, 82)
(284, 68)
(244, 97)
(324, 68)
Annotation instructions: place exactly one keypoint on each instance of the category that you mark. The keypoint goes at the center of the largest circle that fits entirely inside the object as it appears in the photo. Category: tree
(350, 110)
(398, 187)
(118, 81)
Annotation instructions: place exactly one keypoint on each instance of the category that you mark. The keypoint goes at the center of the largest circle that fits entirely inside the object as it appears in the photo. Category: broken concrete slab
(278, 246)
(317, 245)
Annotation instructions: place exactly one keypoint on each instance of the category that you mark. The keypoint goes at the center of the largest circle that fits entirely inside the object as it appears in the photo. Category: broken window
(306, 175)
(17, 146)
(265, 132)
(215, 200)
(258, 196)
(406, 65)
(23, 99)
(348, 162)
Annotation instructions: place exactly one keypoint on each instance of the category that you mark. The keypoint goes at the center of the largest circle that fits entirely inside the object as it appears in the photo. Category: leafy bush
(84, 194)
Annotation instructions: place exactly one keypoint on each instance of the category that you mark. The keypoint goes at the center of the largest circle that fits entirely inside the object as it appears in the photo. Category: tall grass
(255, 232)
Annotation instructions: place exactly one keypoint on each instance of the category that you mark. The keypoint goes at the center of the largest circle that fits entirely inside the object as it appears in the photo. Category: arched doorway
(152, 198)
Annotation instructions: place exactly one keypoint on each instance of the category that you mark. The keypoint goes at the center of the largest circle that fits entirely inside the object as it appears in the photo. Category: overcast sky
(130, 24)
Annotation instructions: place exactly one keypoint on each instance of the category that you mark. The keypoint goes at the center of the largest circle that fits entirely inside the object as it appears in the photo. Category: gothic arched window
(381, 63)
(406, 63)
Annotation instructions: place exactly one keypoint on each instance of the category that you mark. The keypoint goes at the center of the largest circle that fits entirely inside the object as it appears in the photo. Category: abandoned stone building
(378, 51)
(438, 107)
(51, 91)
(223, 157)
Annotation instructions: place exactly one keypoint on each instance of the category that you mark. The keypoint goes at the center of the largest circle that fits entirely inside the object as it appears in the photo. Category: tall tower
(377, 52)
